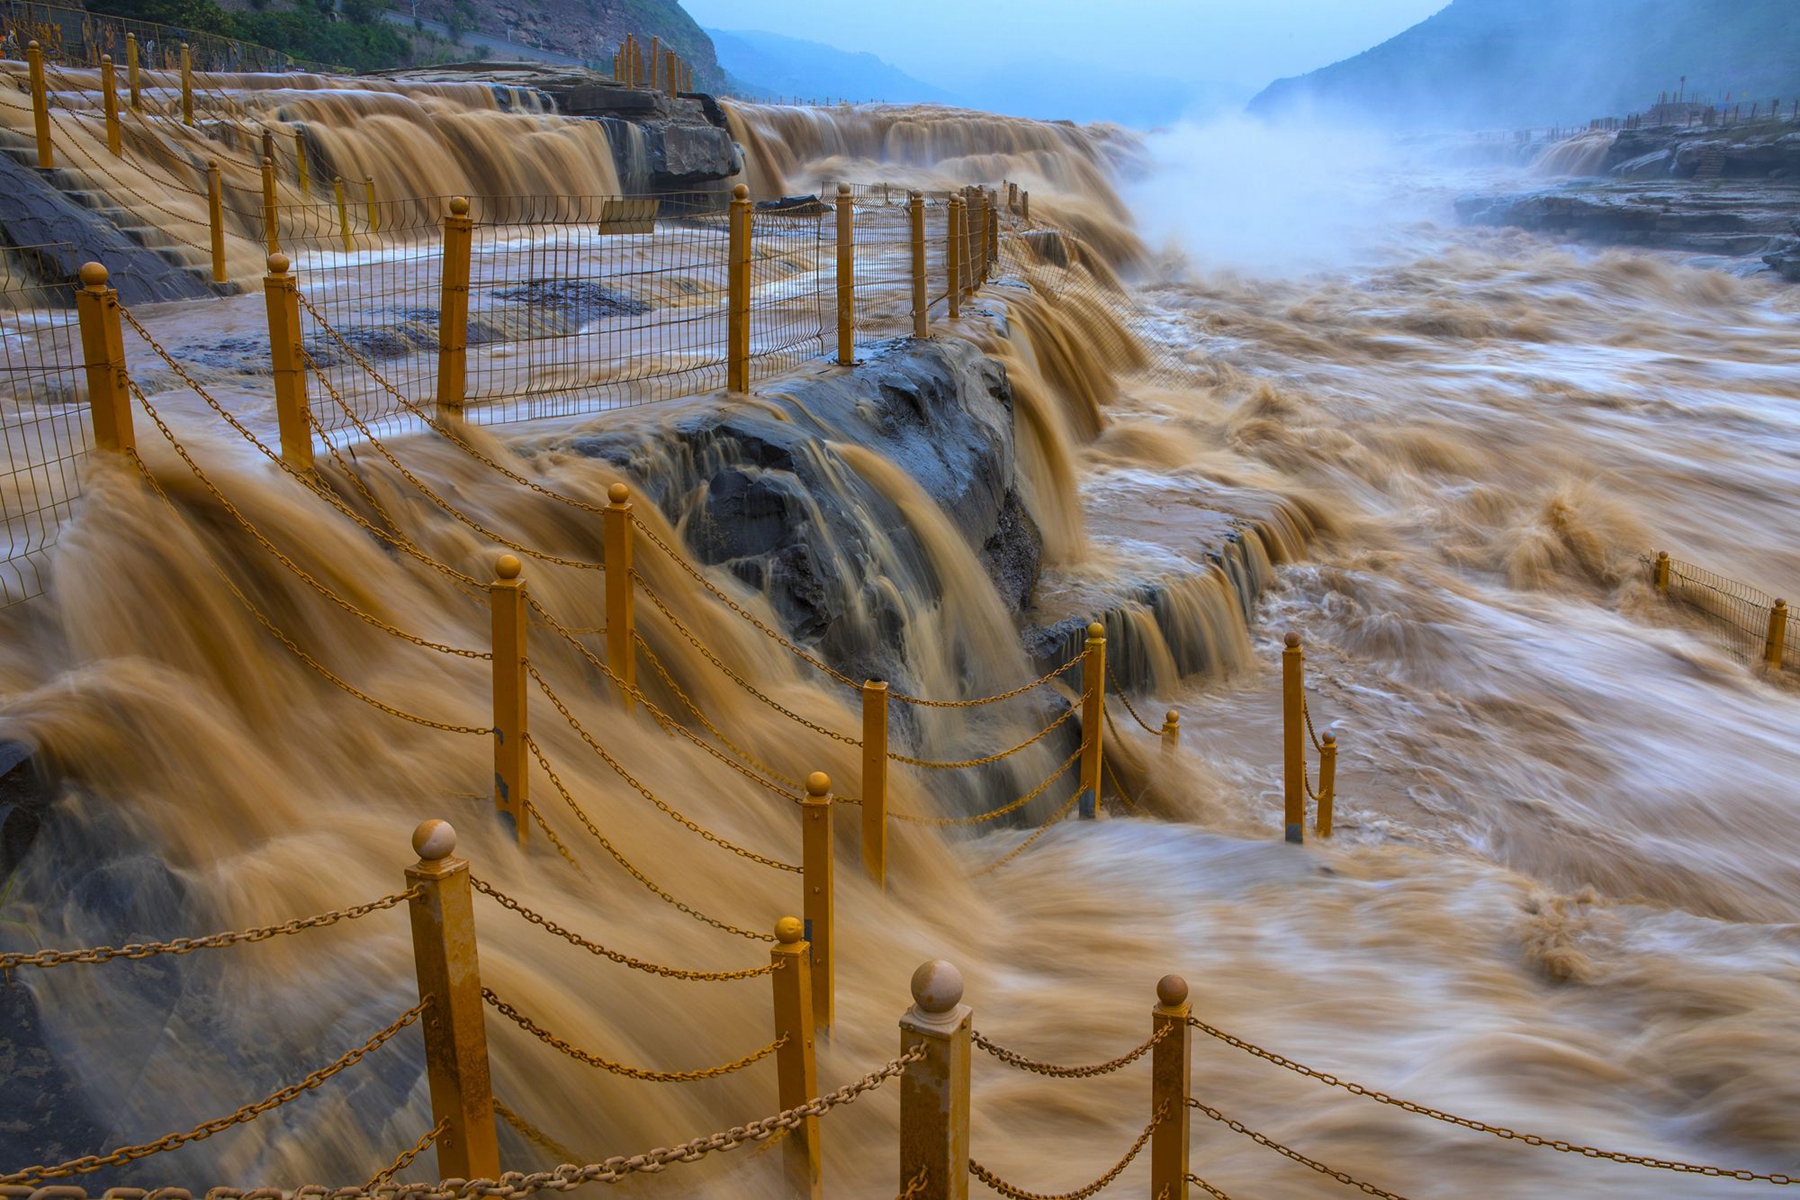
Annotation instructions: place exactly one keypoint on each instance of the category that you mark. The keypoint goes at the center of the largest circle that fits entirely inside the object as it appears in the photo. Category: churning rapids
(1562, 894)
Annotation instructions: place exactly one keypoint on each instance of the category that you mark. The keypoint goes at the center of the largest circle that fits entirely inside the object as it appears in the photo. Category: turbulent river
(1560, 898)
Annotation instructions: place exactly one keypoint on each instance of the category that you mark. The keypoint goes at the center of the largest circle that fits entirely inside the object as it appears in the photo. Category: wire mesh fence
(43, 426)
(1736, 614)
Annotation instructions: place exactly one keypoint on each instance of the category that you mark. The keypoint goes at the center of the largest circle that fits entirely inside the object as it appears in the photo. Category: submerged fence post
(1773, 644)
(453, 311)
(934, 1092)
(621, 647)
(953, 257)
(271, 214)
(815, 818)
(187, 85)
(737, 325)
(506, 597)
(337, 188)
(282, 292)
(1293, 738)
(874, 780)
(1171, 733)
(109, 103)
(921, 297)
(103, 348)
(1170, 1082)
(1662, 571)
(301, 174)
(1093, 718)
(796, 1067)
(1025, 207)
(454, 1023)
(993, 235)
(369, 197)
(846, 276)
(1327, 782)
(132, 80)
(215, 216)
(40, 107)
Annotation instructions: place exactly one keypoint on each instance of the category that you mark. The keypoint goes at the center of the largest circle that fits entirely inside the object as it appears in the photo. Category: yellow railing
(1747, 623)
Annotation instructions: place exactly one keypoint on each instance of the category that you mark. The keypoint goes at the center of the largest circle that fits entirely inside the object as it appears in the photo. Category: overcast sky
(1242, 44)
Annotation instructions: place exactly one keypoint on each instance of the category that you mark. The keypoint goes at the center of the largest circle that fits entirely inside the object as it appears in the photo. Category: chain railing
(1296, 730)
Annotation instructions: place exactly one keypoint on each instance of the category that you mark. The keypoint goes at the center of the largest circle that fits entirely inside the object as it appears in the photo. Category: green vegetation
(359, 40)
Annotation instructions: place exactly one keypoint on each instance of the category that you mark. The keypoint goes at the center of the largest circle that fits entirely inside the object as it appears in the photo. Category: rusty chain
(1014, 1193)
(655, 710)
(138, 950)
(1029, 742)
(994, 814)
(915, 1185)
(275, 1099)
(406, 1156)
(1040, 681)
(743, 683)
(531, 1133)
(687, 702)
(281, 636)
(1119, 691)
(274, 551)
(305, 479)
(1053, 818)
(549, 833)
(556, 782)
(575, 939)
(1118, 788)
(606, 1064)
(1014, 1059)
(618, 769)
(1208, 1188)
(1295, 1155)
(1505, 1134)
(425, 489)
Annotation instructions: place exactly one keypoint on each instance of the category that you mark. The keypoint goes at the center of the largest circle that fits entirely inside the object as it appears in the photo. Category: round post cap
(32, 44)
(1171, 717)
(434, 840)
(843, 189)
(508, 566)
(105, 59)
(1329, 739)
(789, 930)
(618, 493)
(93, 274)
(937, 986)
(818, 784)
(278, 263)
(1171, 991)
(459, 206)
(1292, 640)
(1096, 630)
(740, 192)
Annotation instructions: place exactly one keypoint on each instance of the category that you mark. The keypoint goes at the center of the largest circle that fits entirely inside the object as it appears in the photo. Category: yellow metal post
(109, 103)
(737, 333)
(1025, 207)
(337, 188)
(1662, 571)
(934, 1092)
(282, 291)
(301, 174)
(1171, 733)
(453, 311)
(672, 74)
(993, 236)
(796, 1068)
(846, 276)
(655, 63)
(271, 214)
(40, 107)
(1093, 718)
(953, 257)
(621, 646)
(132, 80)
(815, 818)
(921, 301)
(506, 596)
(103, 348)
(1327, 782)
(1776, 639)
(1293, 738)
(187, 85)
(455, 1022)
(1170, 1080)
(215, 215)
(874, 780)
(369, 196)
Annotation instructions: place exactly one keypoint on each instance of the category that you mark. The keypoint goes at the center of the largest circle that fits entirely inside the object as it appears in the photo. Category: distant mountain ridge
(768, 64)
(1495, 63)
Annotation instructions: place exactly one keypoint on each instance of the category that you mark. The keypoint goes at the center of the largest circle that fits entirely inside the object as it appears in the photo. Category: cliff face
(587, 29)
(1497, 63)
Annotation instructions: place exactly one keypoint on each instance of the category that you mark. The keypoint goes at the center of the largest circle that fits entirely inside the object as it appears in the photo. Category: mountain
(589, 30)
(1498, 63)
(767, 64)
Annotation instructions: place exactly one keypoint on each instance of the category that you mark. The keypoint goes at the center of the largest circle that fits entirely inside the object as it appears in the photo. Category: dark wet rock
(35, 212)
(794, 206)
(24, 798)
(578, 300)
(1725, 217)
(1658, 164)
(1785, 260)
